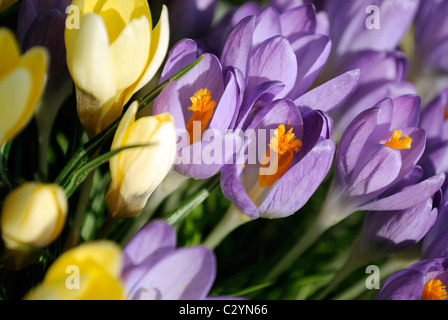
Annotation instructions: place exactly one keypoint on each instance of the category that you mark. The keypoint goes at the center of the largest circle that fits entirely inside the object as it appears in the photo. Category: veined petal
(89, 59)
(328, 95)
(129, 52)
(274, 59)
(378, 167)
(408, 196)
(299, 183)
(159, 47)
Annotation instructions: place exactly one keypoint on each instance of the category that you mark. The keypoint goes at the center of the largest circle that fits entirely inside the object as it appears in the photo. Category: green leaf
(187, 206)
(82, 155)
(82, 173)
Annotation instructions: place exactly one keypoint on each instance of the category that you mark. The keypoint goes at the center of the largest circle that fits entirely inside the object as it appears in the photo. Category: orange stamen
(434, 290)
(283, 146)
(399, 142)
(202, 107)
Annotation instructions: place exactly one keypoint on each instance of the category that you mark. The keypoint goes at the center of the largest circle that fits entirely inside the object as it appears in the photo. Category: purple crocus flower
(154, 269)
(279, 56)
(424, 280)
(286, 155)
(434, 120)
(42, 23)
(376, 158)
(278, 47)
(204, 105)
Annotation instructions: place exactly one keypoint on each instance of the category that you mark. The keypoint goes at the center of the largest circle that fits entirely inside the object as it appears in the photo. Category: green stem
(45, 117)
(231, 220)
(333, 211)
(83, 201)
(105, 228)
(3, 166)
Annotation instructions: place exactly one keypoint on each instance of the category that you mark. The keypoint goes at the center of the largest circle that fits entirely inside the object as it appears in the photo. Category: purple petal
(267, 25)
(330, 94)
(402, 285)
(408, 196)
(181, 55)
(183, 274)
(394, 231)
(168, 101)
(353, 141)
(311, 53)
(299, 183)
(298, 21)
(283, 5)
(376, 169)
(233, 189)
(238, 46)
(155, 236)
(273, 60)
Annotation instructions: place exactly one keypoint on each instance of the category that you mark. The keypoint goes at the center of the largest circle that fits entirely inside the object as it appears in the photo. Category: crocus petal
(408, 197)
(298, 21)
(273, 60)
(393, 231)
(267, 25)
(311, 52)
(238, 46)
(155, 236)
(378, 167)
(330, 94)
(405, 285)
(299, 183)
(233, 189)
(183, 274)
(89, 59)
(159, 47)
(353, 141)
(182, 54)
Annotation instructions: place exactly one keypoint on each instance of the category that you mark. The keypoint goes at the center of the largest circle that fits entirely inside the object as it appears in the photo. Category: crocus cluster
(268, 101)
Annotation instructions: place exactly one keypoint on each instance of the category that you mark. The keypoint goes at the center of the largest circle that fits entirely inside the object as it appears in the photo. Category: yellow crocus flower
(33, 215)
(90, 271)
(22, 81)
(136, 172)
(114, 53)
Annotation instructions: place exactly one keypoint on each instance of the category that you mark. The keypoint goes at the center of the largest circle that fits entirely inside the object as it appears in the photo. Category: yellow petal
(105, 254)
(89, 60)
(147, 167)
(99, 267)
(9, 51)
(121, 135)
(159, 47)
(15, 90)
(130, 52)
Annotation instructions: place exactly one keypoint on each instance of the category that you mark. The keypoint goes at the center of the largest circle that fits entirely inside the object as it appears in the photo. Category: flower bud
(90, 271)
(137, 172)
(33, 215)
(112, 54)
(22, 80)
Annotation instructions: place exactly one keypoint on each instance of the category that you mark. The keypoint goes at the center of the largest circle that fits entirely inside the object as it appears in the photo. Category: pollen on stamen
(399, 142)
(446, 113)
(282, 142)
(434, 290)
(202, 101)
